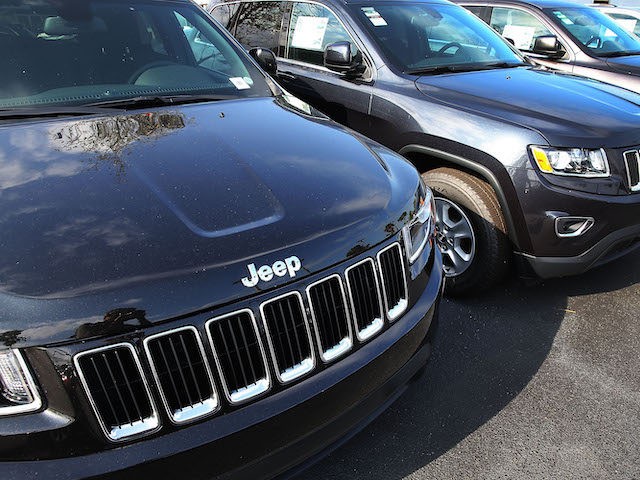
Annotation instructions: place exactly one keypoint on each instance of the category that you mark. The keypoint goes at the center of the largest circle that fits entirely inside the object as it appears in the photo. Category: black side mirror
(265, 58)
(548, 46)
(340, 58)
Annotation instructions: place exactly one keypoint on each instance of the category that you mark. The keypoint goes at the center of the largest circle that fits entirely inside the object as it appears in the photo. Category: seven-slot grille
(116, 386)
(289, 336)
(632, 162)
(366, 299)
(182, 374)
(239, 355)
(394, 282)
(328, 305)
(118, 392)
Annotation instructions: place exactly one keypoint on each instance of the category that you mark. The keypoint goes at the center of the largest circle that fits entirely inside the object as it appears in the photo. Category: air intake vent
(394, 282)
(239, 355)
(289, 336)
(632, 162)
(182, 374)
(113, 380)
(366, 299)
(330, 318)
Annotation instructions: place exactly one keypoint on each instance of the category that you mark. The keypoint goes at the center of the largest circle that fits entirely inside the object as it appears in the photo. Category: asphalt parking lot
(525, 382)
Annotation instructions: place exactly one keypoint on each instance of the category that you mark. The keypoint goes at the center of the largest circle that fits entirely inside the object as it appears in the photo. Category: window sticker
(309, 32)
(522, 36)
(240, 83)
(374, 17)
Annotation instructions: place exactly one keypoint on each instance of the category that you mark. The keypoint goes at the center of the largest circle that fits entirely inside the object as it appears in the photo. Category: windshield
(422, 38)
(80, 52)
(596, 31)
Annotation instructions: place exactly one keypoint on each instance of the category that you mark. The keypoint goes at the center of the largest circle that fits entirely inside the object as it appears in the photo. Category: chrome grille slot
(394, 281)
(632, 163)
(117, 390)
(366, 299)
(182, 374)
(289, 336)
(239, 355)
(330, 317)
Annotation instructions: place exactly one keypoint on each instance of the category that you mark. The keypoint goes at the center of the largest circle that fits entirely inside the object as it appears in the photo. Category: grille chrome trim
(395, 311)
(250, 391)
(345, 344)
(307, 364)
(376, 325)
(142, 427)
(190, 412)
(634, 187)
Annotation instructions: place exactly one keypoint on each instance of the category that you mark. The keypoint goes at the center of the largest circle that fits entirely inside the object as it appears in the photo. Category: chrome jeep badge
(265, 273)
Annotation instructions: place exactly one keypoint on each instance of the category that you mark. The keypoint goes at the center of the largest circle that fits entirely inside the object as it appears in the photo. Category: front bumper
(615, 232)
(273, 435)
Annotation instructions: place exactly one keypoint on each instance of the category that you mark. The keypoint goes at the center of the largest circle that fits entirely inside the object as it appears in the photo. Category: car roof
(534, 3)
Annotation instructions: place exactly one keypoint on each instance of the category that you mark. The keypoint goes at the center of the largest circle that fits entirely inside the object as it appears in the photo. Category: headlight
(18, 393)
(416, 232)
(579, 162)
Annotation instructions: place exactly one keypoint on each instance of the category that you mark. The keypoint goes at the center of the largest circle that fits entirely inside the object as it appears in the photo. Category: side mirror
(548, 46)
(265, 58)
(340, 58)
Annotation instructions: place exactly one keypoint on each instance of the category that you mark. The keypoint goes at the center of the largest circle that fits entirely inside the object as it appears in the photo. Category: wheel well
(425, 161)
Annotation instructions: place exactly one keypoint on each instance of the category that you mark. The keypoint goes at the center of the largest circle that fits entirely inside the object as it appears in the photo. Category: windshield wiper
(622, 53)
(158, 100)
(471, 67)
(19, 113)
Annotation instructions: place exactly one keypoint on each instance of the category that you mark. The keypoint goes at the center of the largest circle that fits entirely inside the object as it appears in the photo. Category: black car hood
(566, 110)
(628, 64)
(162, 211)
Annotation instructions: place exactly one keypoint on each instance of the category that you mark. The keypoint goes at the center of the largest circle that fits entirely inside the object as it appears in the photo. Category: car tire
(471, 231)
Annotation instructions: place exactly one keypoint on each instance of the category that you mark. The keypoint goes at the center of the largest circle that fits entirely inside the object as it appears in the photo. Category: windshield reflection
(595, 31)
(435, 38)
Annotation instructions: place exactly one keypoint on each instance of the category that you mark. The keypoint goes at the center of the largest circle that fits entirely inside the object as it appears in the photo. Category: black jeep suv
(522, 160)
(188, 289)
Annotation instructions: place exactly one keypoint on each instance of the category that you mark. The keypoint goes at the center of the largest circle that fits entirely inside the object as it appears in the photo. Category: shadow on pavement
(487, 351)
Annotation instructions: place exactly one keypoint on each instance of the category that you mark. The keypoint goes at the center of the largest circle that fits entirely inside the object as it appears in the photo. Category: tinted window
(518, 26)
(313, 27)
(628, 22)
(259, 24)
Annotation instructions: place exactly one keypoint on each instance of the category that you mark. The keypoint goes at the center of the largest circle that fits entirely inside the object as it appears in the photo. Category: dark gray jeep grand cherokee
(523, 161)
(187, 288)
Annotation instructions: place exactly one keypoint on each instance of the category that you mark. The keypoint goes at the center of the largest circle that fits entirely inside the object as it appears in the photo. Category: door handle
(286, 75)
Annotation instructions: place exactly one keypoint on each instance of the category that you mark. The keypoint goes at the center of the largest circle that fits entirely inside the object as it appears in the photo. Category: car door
(310, 28)
(521, 27)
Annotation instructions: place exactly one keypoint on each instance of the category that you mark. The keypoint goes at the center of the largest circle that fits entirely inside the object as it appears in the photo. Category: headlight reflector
(18, 393)
(416, 232)
(580, 162)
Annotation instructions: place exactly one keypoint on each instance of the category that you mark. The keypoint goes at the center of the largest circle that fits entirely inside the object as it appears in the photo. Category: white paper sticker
(309, 33)
(374, 17)
(239, 82)
(521, 36)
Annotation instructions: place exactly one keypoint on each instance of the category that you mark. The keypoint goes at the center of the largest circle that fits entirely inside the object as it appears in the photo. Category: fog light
(573, 226)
